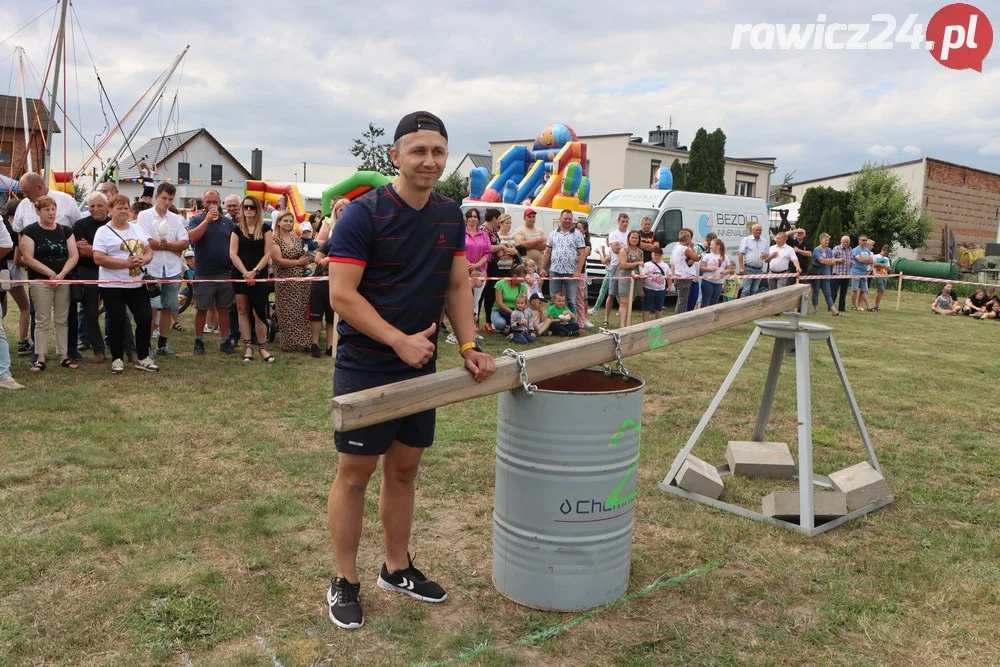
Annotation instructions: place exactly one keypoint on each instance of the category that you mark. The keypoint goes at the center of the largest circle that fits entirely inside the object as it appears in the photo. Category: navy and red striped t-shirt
(407, 257)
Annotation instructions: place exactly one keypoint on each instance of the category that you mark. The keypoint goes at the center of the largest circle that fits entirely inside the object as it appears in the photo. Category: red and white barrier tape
(309, 279)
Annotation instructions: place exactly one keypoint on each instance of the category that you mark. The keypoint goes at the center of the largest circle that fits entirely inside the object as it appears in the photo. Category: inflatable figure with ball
(539, 174)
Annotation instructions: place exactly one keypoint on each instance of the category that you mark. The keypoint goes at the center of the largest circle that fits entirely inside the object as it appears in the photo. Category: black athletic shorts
(319, 302)
(416, 430)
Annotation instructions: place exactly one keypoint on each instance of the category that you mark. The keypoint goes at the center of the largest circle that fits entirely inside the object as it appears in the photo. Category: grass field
(180, 518)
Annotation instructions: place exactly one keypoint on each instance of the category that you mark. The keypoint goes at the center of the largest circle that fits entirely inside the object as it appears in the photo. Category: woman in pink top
(477, 251)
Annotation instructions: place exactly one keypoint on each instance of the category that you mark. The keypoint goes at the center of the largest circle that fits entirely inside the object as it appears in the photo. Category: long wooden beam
(391, 401)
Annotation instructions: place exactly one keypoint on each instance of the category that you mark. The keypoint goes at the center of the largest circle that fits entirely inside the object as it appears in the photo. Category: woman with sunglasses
(250, 249)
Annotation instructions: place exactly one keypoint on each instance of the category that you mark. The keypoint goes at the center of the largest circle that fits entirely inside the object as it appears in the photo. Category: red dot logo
(960, 36)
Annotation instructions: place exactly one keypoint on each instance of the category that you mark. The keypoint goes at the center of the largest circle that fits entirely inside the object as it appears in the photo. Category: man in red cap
(531, 237)
(389, 312)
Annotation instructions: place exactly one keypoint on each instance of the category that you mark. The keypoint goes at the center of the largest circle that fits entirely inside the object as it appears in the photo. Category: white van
(546, 219)
(729, 217)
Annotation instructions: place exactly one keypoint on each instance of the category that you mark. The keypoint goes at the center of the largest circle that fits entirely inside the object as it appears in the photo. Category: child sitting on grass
(538, 316)
(945, 303)
(731, 285)
(521, 325)
(561, 321)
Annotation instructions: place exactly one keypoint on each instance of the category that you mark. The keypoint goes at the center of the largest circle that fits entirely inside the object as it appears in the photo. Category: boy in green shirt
(561, 321)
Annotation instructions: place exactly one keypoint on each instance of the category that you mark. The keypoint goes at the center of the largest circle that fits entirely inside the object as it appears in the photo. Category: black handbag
(152, 287)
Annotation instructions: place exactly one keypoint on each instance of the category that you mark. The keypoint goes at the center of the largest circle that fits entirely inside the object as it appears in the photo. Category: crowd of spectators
(525, 283)
(143, 252)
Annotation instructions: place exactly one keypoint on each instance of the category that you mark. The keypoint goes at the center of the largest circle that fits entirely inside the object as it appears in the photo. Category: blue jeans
(750, 285)
(564, 328)
(693, 295)
(499, 320)
(822, 286)
(710, 293)
(4, 354)
(81, 324)
(564, 282)
(522, 338)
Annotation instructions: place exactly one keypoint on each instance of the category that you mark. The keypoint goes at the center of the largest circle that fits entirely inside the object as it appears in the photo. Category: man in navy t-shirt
(397, 260)
(209, 234)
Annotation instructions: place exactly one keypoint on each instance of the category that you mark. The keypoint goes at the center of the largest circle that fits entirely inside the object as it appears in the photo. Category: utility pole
(60, 38)
(304, 179)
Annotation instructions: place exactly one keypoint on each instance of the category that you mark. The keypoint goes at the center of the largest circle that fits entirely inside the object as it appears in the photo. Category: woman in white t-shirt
(682, 260)
(713, 269)
(120, 252)
(656, 281)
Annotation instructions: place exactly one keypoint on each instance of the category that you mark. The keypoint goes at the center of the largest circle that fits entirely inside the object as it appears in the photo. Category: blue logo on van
(705, 223)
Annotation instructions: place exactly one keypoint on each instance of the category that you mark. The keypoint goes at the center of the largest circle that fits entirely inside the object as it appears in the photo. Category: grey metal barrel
(566, 464)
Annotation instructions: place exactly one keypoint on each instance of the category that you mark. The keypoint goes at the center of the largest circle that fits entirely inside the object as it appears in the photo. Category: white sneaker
(10, 383)
(451, 339)
(587, 324)
(147, 364)
(117, 366)
(590, 311)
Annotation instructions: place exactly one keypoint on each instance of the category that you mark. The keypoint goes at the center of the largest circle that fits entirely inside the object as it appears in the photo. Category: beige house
(623, 161)
(964, 201)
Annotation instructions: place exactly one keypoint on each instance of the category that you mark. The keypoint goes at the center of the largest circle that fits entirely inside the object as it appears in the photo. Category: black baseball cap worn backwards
(419, 120)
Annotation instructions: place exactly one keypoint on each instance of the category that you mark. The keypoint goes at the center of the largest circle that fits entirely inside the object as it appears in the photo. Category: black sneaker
(412, 582)
(25, 347)
(226, 347)
(344, 599)
(199, 346)
(314, 351)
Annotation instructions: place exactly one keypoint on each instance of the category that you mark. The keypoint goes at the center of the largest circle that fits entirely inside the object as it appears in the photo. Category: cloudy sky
(300, 79)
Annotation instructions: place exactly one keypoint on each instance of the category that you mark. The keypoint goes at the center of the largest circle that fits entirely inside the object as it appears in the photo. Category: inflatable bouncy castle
(550, 173)
(272, 193)
(62, 181)
(353, 186)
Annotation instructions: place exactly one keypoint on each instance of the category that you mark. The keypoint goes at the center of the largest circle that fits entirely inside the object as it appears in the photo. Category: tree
(832, 223)
(706, 167)
(679, 172)
(885, 210)
(815, 202)
(80, 193)
(454, 186)
(373, 153)
(699, 171)
(717, 166)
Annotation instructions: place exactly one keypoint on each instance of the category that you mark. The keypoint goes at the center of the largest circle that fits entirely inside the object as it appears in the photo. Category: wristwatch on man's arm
(471, 345)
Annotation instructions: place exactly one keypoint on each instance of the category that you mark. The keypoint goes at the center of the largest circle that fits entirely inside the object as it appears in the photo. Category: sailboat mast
(60, 39)
(22, 93)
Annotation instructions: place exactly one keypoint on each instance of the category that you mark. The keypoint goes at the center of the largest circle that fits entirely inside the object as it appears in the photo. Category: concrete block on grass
(785, 504)
(700, 477)
(863, 485)
(760, 459)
